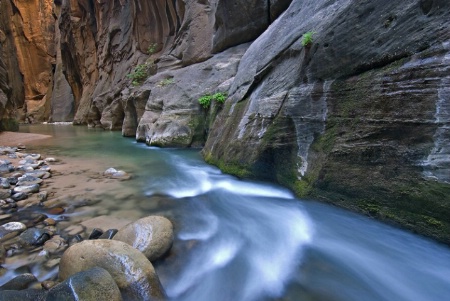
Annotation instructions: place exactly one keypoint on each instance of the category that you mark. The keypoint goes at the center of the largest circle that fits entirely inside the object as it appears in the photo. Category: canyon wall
(11, 83)
(360, 118)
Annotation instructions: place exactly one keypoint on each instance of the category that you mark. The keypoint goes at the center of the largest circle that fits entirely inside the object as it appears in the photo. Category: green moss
(237, 170)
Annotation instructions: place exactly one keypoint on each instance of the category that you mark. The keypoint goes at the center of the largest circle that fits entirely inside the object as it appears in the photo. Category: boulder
(130, 269)
(95, 284)
(152, 235)
(19, 283)
(23, 295)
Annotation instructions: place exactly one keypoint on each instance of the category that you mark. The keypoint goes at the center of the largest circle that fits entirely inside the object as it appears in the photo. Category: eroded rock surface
(173, 115)
(359, 118)
(11, 84)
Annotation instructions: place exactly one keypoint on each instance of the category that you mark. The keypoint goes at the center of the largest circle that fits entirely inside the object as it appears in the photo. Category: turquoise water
(244, 241)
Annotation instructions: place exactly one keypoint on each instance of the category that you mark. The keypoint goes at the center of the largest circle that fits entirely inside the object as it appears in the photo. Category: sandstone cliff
(11, 84)
(360, 118)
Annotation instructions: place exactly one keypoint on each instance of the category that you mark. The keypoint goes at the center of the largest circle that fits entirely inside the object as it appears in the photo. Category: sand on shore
(16, 138)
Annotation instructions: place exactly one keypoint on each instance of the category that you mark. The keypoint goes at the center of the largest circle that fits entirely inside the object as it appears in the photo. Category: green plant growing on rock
(205, 100)
(307, 38)
(166, 82)
(139, 74)
(141, 71)
(151, 49)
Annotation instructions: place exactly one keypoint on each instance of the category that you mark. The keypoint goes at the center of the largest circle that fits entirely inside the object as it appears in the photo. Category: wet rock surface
(95, 284)
(370, 98)
(152, 235)
(130, 269)
(41, 221)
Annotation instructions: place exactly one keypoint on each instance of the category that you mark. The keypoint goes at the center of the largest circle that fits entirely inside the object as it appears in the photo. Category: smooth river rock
(95, 284)
(11, 229)
(130, 269)
(152, 235)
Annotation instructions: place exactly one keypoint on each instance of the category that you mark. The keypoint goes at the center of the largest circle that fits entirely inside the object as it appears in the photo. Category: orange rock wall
(33, 28)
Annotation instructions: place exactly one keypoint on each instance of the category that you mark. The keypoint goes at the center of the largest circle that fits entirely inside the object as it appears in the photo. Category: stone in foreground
(95, 284)
(130, 269)
(152, 235)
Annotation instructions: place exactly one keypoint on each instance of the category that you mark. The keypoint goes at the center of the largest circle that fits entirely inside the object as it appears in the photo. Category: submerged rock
(116, 174)
(130, 269)
(152, 235)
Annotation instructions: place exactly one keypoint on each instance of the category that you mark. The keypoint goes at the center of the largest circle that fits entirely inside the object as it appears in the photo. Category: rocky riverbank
(51, 250)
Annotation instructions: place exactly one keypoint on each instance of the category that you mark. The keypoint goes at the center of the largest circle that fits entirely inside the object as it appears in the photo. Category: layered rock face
(359, 118)
(31, 52)
(103, 42)
(11, 85)
(33, 24)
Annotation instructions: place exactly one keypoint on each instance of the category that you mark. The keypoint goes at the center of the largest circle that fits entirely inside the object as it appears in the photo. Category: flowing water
(248, 241)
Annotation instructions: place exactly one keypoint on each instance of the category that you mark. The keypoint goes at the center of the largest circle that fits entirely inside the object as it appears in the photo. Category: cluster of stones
(111, 264)
(21, 189)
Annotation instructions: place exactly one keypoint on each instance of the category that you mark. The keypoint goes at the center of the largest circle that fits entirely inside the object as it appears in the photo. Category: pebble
(28, 179)
(19, 196)
(27, 188)
(49, 222)
(48, 284)
(10, 230)
(109, 234)
(34, 237)
(56, 210)
(116, 174)
(96, 233)
(5, 217)
(56, 244)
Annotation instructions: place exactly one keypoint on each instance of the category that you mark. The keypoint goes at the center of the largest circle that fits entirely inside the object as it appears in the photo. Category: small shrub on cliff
(166, 82)
(307, 38)
(141, 71)
(139, 74)
(152, 48)
(205, 100)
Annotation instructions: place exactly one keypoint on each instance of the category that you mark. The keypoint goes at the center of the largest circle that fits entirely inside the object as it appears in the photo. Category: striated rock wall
(104, 41)
(33, 30)
(11, 84)
(359, 118)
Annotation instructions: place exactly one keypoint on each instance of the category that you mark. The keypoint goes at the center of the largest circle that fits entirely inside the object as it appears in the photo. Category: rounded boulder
(130, 269)
(152, 235)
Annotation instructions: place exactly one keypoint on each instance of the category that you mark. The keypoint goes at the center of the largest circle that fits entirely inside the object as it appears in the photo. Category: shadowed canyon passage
(241, 240)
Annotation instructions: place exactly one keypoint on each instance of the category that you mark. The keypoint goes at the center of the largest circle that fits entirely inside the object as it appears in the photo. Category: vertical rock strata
(11, 84)
(359, 118)
(33, 24)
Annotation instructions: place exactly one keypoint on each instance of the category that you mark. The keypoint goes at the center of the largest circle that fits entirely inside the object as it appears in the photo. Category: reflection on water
(245, 241)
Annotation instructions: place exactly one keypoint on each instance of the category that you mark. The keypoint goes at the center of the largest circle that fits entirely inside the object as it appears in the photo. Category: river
(248, 241)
